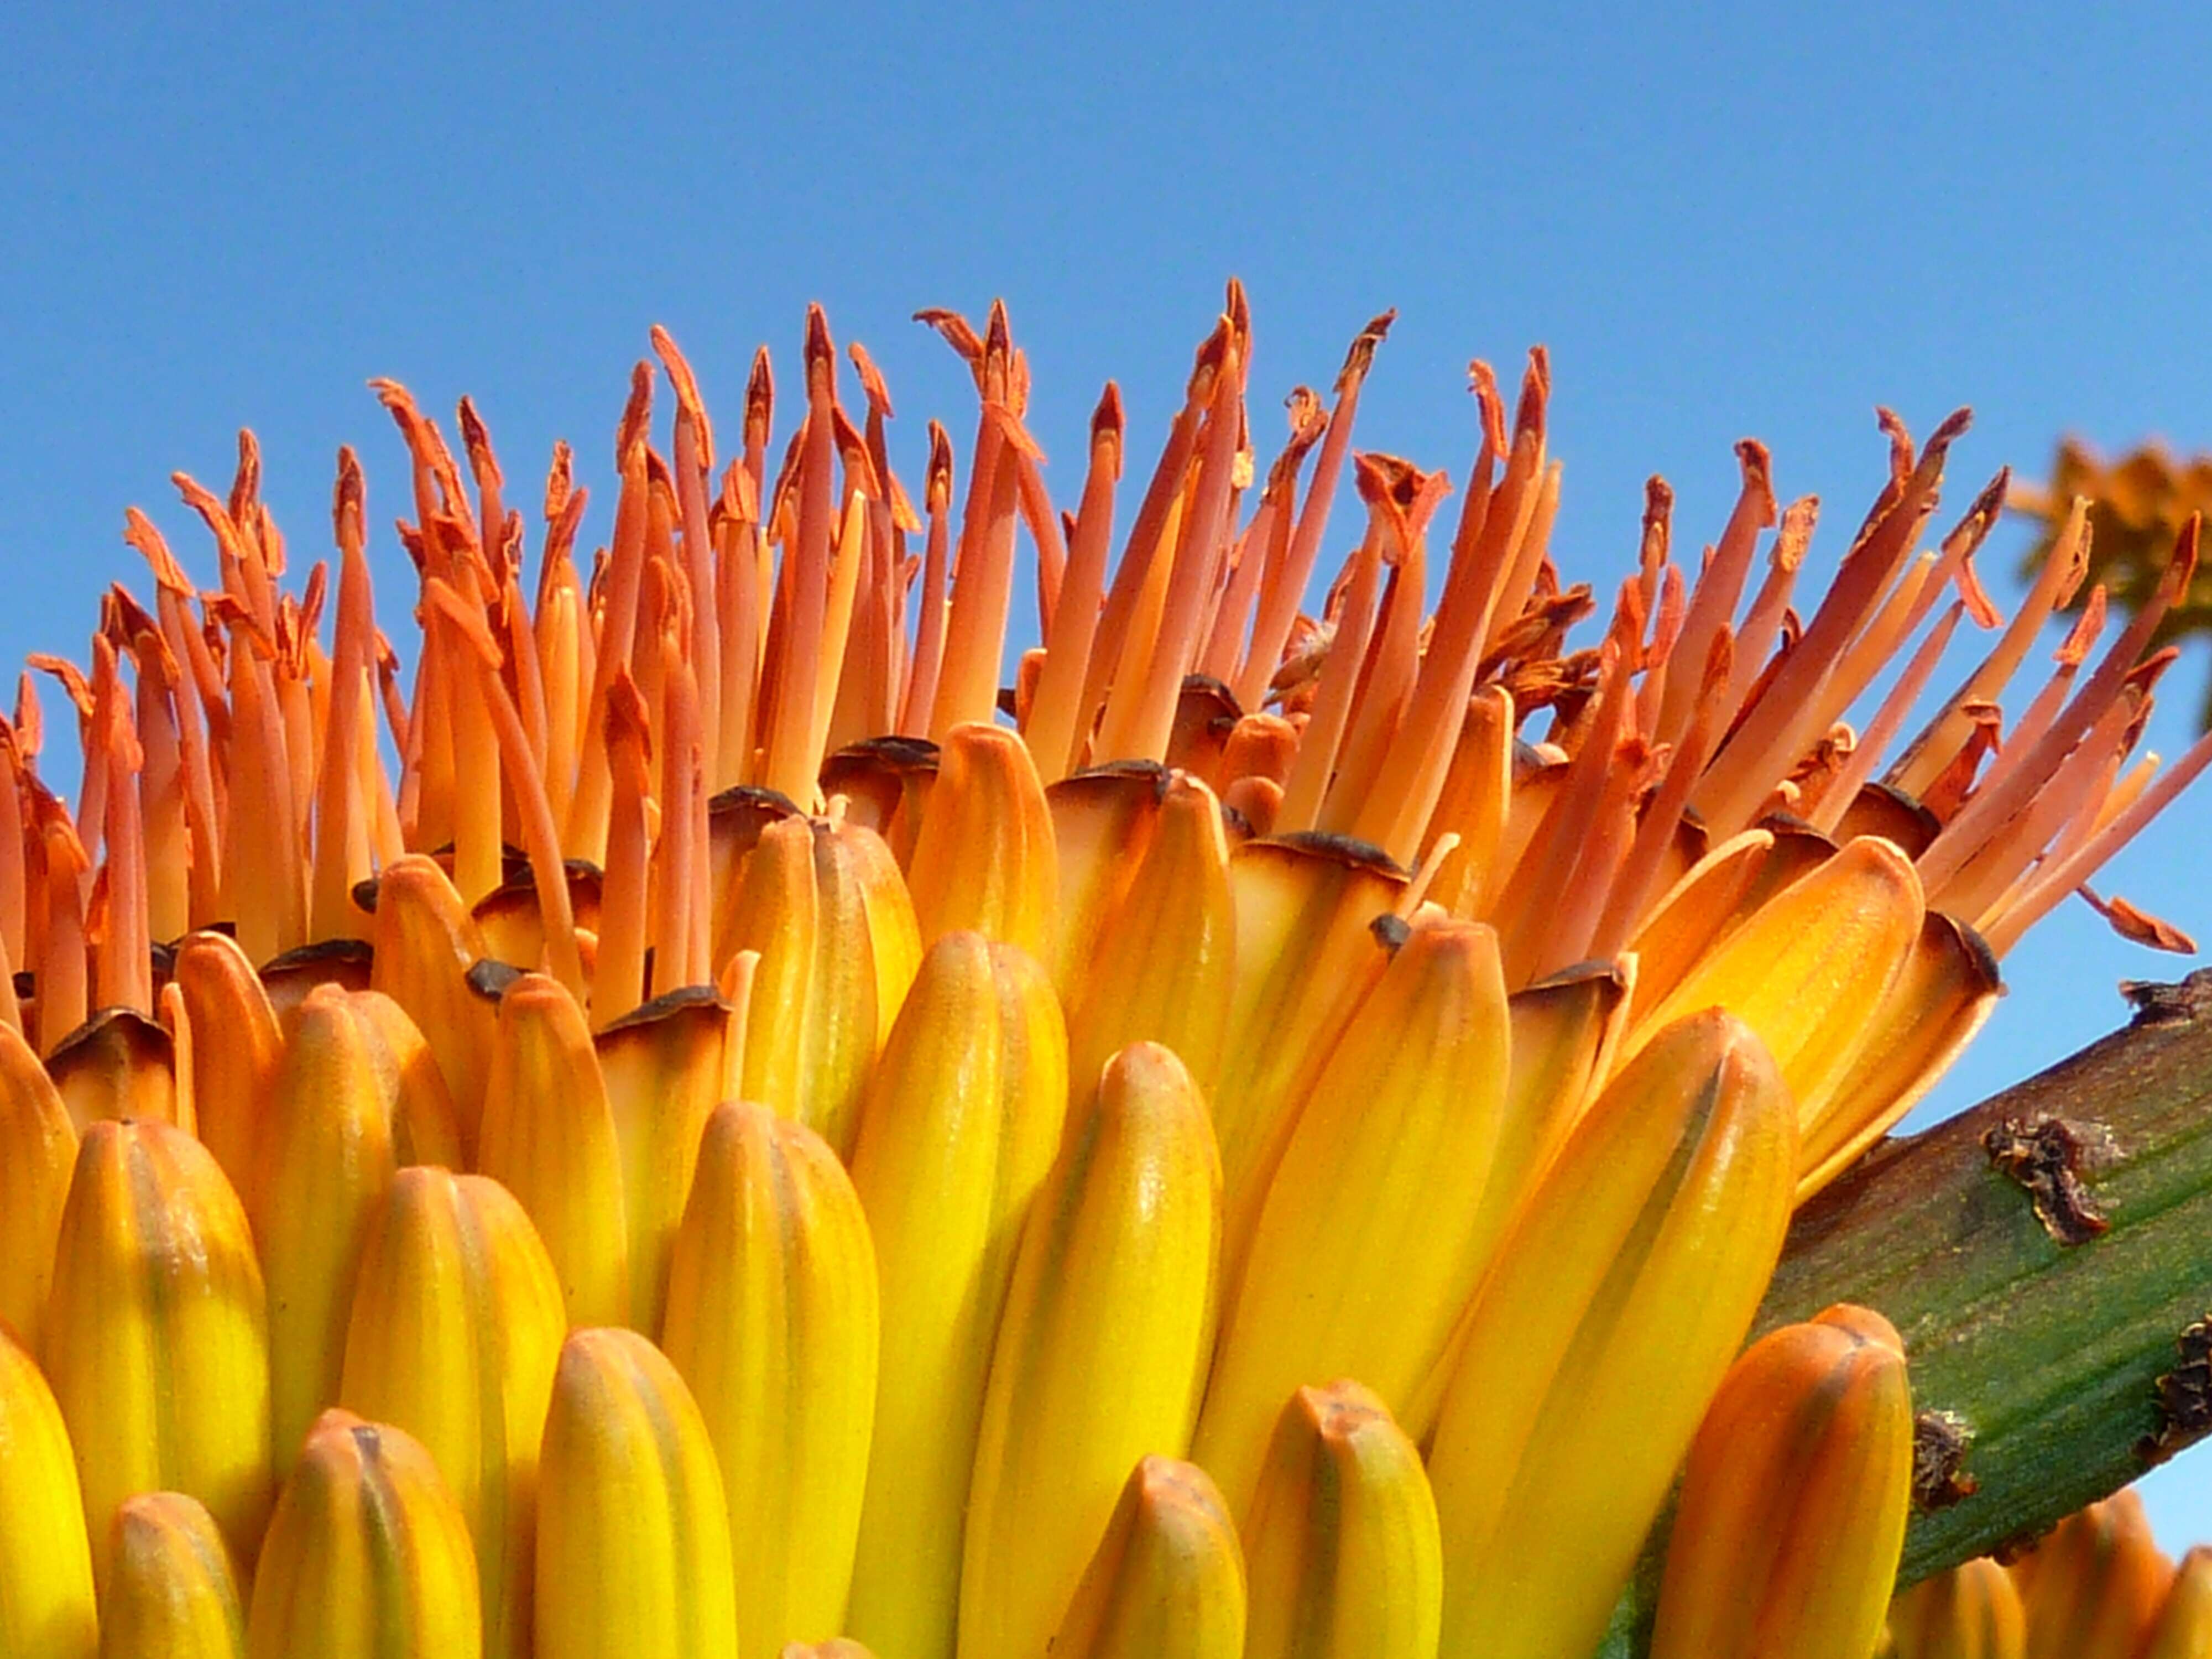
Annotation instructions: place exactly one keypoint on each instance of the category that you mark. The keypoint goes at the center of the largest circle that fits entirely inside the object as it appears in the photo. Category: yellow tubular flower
(2093, 1588)
(457, 1323)
(822, 902)
(1808, 972)
(1360, 1264)
(985, 858)
(1793, 1505)
(46, 1564)
(959, 1129)
(663, 1066)
(1160, 970)
(425, 944)
(772, 1321)
(423, 1127)
(632, 1538)
(1340, 1543)
(367, 1556)
(1306, 954)
(1589, 1353)
(1167, 1581)
(156, 1340)
(548, 1136)
(1101, 1351)
(170, 1592)
(2184, 1629)
(325, 1164)
(1971, 1612)
(37, 1148)
(234, 1066)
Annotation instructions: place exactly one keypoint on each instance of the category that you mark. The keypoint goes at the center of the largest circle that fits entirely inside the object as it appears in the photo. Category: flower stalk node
(2043, 1156)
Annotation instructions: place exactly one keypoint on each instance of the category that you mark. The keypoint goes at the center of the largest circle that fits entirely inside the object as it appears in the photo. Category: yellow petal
(325, 1163)
(1617, 1299)
(633, 1539)
(960, 1125)
(985, 858)
(1361, 1262)
(1160, 968)
(548, 1136)
(1167, 1581)
(1941, 996)
(156, 1340)
(1809, 969)
(1306, 953)
(772, 1321)
(1794, 1502)
(367, 1557)
(171, 1593)
(662, 1064)
(426, 942)
(235, 1061)
(45, 1564)
(1971, 1612)
(37, 1147)
(1340, 1543)
(457, 1323)
(821, 900)
(1102, 823)
(1101, 1351)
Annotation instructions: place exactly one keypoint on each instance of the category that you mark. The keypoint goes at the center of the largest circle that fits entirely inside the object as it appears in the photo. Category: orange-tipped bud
(1167, 1580)
(363, 1498)
(38, 1149)
(2093, 1588)
(985, 858)
(1340, 1543)
(958, 1131)
(1101, 1351)
(234, 1065)
(171, 1593)
(1794, 1503)
(1971, 1612)
(821, 900)
(1588, 1356)
(632, 1536)
(425, 943)
(548, 1136)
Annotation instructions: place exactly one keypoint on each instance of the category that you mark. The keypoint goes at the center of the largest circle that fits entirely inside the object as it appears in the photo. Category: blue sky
(1758, 221)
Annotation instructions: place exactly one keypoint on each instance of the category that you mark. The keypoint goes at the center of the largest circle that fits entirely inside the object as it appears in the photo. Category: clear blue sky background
(1723, 221)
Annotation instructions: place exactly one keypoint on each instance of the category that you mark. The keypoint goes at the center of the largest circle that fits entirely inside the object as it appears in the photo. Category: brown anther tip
(1360, 356)
(871, 380)
(956, 331)
(2184, 1397)
(937, 484)
(637, 414)
(1536, 394)
(2043, 1157)
(1940, 1478)
(2139, 927)
(690, 406)
(998, 333)
(1757, 463)
(821, 351)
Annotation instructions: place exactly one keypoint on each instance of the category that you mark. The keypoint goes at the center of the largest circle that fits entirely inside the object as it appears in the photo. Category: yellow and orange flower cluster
(2097, 1588)
(683, 1116)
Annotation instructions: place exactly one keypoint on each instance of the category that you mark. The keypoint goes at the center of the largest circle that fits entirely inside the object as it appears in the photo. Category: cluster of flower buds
(689, 1119)
(2097, 1588)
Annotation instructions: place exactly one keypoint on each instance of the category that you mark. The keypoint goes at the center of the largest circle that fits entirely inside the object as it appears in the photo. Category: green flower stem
(2063, 1363)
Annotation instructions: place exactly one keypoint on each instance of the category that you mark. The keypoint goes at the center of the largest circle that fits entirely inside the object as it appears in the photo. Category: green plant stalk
(2063, 1363)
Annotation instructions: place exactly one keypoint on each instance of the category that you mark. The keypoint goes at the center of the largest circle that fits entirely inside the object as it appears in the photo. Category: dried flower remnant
(794, 1125)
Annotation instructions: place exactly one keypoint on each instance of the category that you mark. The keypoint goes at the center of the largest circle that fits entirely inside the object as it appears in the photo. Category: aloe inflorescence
(701, 1106)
